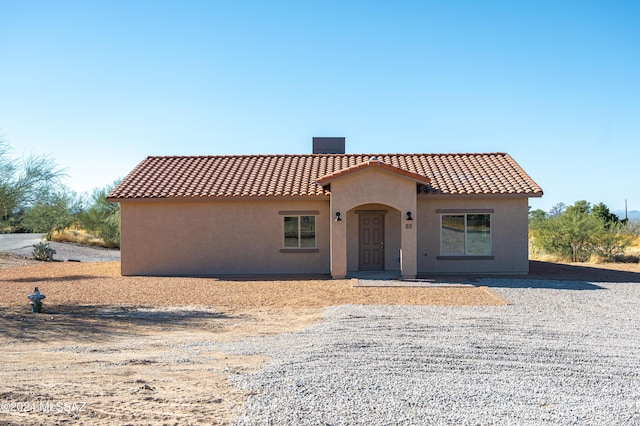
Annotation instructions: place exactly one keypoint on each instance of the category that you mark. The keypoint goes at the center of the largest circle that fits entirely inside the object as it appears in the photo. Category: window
(465, 235)
(300, 231)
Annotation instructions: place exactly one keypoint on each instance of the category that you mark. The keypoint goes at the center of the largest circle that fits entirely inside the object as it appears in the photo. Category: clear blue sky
(99, 85)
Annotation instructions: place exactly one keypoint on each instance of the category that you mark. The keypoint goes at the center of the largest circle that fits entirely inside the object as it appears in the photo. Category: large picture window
(299, 231)
(465, 235)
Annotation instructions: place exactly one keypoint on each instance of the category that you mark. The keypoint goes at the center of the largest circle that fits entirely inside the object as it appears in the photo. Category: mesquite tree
(24, 182)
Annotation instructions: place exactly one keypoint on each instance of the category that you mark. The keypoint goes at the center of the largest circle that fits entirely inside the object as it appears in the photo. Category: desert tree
(537, 215)
(102, 217)
(571, 234)
(601, 211)
(557, 209)
(612, 241)
(579, 231)
(55, 211)
(24, 182)
(582, 207)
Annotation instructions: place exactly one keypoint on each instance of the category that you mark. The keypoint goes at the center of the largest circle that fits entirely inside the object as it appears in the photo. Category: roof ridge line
(439, 154)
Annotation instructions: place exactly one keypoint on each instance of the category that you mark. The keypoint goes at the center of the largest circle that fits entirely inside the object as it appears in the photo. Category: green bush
(43, 252)
(54, 212)
(578, 232)
(103, 218)
(24, 182)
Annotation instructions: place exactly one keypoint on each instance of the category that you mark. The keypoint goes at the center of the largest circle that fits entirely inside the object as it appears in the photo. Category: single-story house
(415, 214)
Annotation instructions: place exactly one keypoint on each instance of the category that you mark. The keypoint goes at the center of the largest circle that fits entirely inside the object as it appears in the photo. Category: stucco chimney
(328, 145)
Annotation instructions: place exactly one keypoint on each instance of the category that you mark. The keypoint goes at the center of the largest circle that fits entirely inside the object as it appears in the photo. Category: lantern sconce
(409, 216)
(338, 218)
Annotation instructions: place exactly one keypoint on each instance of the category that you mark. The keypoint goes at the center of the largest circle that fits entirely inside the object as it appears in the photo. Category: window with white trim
(465, 234)
(299, 232)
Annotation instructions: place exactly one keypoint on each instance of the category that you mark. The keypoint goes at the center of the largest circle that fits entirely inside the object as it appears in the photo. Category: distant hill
(634, 215)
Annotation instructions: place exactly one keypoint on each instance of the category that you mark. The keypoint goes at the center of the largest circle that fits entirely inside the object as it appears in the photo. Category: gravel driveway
(562, 353)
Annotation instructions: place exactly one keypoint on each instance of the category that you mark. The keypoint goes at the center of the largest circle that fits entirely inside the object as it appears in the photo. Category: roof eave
(305, 197)
(484, 195)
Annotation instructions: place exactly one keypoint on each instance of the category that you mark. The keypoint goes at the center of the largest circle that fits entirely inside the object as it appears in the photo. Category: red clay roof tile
(372, 162)
(296, 175)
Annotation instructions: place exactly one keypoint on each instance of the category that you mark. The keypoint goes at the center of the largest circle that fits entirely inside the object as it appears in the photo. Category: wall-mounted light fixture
(338, 218)
(409, 216)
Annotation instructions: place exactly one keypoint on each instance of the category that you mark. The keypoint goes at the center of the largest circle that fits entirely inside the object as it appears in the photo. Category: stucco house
(325, 213)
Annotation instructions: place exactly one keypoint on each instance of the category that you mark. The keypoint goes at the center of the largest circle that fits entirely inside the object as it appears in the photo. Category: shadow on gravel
(100, 323)
(60, 279)
(311, 277)
(591, 274)
(511, 281)
(545, 283)
(546, 275)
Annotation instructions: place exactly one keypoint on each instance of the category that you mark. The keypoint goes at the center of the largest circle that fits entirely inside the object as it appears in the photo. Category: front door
(371, 242)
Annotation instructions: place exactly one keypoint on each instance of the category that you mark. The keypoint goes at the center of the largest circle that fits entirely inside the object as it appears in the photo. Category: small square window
(299, 231)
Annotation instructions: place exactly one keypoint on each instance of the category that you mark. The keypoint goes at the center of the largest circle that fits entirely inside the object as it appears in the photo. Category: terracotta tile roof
(295, 175)
(372, 162)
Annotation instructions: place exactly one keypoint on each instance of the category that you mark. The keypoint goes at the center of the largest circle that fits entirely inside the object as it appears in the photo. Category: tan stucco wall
(225, 237)
(509, 224)
(367, 187)
(246, 237)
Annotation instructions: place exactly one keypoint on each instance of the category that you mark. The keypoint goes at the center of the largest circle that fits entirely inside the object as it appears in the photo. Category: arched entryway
(360, 191)
(373, 238)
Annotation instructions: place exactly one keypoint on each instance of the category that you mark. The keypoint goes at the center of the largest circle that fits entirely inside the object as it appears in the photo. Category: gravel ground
(68, 251)
(563, 353)
(73, 252)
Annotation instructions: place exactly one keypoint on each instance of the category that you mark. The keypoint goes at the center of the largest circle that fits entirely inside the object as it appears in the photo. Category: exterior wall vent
(328, 145)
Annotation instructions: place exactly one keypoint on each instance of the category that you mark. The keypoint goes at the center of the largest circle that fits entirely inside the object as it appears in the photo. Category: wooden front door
(371, 242)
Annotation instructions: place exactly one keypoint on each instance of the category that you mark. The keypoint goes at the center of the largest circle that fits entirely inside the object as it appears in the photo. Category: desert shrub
(78, 236)
(569, 235)
(52, 213)
(611, 242)
(103, 218)
(43, 252)
(578, 233)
